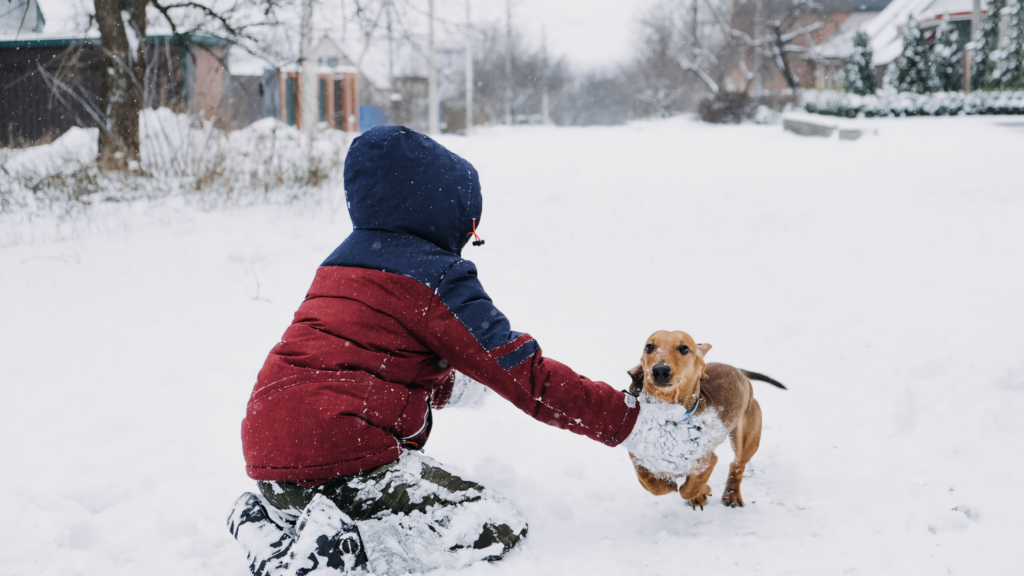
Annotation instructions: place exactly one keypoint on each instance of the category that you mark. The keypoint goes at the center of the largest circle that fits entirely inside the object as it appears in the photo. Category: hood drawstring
(479, 241)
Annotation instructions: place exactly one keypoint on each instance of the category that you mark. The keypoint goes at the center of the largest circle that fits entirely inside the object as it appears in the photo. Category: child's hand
(666, 439)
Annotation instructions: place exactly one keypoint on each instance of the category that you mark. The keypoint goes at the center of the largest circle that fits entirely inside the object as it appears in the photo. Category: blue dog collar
(690, 413)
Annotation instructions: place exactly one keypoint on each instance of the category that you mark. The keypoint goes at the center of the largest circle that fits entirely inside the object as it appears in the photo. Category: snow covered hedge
(846, 105)
(181, 155)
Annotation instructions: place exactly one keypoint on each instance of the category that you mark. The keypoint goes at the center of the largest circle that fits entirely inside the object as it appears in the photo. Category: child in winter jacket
(344, 400)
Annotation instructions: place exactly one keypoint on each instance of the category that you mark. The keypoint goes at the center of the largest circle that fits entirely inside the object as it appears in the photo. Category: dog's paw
(701, 500)
(732, 498)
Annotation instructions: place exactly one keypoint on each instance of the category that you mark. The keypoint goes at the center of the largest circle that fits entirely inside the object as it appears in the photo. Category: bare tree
(684, 54)
(123, 25)
(715, 41)
(660, 80)
(121, 91)
(785, 22)
(533, 71)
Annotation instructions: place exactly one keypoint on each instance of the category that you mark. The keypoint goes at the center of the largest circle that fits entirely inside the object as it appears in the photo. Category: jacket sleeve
(466, 330)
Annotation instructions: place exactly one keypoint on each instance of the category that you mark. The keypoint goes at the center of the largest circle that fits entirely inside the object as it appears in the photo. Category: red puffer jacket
(389, 315)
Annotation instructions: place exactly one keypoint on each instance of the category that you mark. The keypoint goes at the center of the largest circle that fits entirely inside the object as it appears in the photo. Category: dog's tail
(763, 378)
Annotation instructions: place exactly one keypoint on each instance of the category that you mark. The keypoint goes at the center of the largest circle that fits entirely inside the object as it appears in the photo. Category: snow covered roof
(46, 40)
(242, 63)
(371, 61)
(840, 43)
(21, 16)
(321, 69)
(886, 28)
(351, 56)
(844, 6)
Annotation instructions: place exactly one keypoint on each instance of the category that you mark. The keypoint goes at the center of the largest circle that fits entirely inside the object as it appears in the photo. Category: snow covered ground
(880, 279)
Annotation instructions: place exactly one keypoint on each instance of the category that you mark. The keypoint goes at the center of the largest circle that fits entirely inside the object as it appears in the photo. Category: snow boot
(266, 542)
(327, 542)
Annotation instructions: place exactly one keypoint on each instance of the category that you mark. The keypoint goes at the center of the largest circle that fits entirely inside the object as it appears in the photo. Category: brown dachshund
(672, 369)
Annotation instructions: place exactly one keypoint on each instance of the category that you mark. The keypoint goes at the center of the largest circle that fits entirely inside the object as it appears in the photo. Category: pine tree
(860, 73)
(890, 79)
(1010, 70)
(946, 75)
(983, 64)
(913, 63)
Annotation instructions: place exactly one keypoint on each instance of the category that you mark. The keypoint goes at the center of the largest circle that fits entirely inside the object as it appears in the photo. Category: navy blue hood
(398, 180)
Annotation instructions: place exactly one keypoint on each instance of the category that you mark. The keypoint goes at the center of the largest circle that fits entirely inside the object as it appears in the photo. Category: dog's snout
(662, 373)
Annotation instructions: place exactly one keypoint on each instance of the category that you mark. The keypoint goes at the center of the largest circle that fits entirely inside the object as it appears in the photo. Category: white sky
(590, 33)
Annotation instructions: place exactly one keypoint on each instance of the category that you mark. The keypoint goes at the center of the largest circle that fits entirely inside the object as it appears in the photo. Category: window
(339, 105)
(323, 99)
(289, 100)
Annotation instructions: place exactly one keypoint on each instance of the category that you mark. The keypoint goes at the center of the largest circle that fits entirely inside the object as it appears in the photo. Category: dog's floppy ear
(702, 349)
(637, 374)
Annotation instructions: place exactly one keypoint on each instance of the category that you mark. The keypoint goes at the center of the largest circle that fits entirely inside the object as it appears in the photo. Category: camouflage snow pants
(413, 515)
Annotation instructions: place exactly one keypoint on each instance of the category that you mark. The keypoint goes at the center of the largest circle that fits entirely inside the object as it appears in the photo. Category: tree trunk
(122, 25)
(783, 61)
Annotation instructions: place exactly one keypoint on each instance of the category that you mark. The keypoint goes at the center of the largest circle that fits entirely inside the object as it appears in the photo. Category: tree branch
(687, 65)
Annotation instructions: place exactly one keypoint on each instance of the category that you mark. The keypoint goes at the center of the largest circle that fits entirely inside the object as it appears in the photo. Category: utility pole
(545, 112)
(469, 70)
(972, 46)
(393, 96)
(758, 33)
(508, 62)
(391, 50)
(308, 100)
(432, 80)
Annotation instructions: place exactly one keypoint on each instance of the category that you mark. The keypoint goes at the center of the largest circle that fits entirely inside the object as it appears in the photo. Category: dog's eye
(684, 350)
(649, 348)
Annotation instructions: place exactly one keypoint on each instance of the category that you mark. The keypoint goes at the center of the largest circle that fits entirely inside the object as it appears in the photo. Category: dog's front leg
(696, 490)
(652, 483)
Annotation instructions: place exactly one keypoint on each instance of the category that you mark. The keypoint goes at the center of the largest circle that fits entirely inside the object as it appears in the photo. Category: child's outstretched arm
(467, 331)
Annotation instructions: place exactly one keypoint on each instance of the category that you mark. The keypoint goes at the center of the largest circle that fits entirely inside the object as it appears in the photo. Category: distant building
(337, 81)
(410, 105)
(886, 32)
(49, 83)
(838, 18)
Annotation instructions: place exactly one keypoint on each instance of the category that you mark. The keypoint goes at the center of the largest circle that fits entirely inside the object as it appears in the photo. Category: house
(49, 83)
(337, 82)
(835, 18)
(886, 31)
(350, 96)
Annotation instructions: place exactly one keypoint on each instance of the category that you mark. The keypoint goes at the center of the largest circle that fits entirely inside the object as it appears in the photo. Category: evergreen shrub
(1010, 66)
(983, 64)
(946, 75)
(832, 103)
(913, 66)
(860, 72)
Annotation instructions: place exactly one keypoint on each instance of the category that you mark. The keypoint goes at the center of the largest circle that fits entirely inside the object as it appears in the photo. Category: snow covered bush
(1009, 73)
(264, 157)
(983, 63)
(945, 74)
(726, 107)
(181, 155)
(59, 174)
(860, 73)
(890, 103)
(913, 67)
